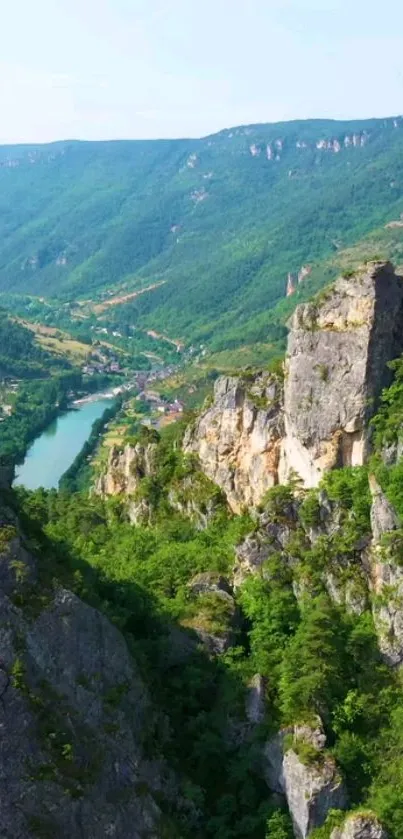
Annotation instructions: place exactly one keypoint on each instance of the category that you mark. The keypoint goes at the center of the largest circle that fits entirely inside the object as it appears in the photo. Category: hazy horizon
(196, 137)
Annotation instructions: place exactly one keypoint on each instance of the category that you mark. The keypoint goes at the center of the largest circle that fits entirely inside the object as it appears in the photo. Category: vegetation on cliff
(316, 656)
(242, 625)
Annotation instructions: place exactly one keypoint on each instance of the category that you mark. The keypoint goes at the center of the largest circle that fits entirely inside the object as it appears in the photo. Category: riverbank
(78, 476)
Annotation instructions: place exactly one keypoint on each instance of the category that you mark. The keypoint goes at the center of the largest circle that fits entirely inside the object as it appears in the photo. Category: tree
(312, 674)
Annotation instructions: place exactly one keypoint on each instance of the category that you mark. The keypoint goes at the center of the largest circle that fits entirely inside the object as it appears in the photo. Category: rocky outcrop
(193, 495)
(255, 705)
(338, 349)
(387, 576)
(384, 518)
(253, 436)
(74, 714)
(344, 576)
(392, 452)
(367, 571)
(360, 826)
(237, 439)
(297, 765)
(269, 538)
(125, 468)
(197, 498)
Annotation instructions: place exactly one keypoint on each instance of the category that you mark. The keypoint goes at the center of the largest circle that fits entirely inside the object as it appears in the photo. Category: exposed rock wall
(346, 577)
(238, 438)
(360, 826)
(207, 591)
(338, 349)
(369, 574)
(253, 437)
(311, 789)
(193, 495)
(124, 469)
(122, 475)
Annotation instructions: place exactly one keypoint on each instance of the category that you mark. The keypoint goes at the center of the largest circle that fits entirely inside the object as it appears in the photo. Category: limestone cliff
(311, 788)
(122, 474)
(237, 439)
(133, 472)
(124, 468)
(362, 570)
(344, 575)
(254, 436)
(336, 360)
(360, 826)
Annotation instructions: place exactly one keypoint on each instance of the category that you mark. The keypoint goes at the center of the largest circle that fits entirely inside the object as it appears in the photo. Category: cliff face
(254, 436)
(130, 468)
(238, 438)
(337, 353)
(311, 790)
(360, 826)
(124, 469)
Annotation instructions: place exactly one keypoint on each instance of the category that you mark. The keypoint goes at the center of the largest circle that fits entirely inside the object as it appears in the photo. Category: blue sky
(97, 69)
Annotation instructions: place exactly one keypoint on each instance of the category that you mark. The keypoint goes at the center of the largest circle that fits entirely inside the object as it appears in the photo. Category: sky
(103, 69)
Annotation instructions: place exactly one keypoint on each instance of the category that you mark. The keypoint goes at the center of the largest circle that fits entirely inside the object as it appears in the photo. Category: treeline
(77, 476)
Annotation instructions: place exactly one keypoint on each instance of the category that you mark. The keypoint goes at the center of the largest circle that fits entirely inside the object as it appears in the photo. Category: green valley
(211, 227)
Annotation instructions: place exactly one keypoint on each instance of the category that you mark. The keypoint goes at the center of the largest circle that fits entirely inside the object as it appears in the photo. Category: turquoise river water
(51, 454)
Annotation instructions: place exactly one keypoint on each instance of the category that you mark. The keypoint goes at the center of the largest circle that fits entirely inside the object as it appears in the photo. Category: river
(51, 454)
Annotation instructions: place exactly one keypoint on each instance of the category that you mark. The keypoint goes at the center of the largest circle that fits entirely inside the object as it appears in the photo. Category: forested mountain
(202, 629)
(216, 223)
